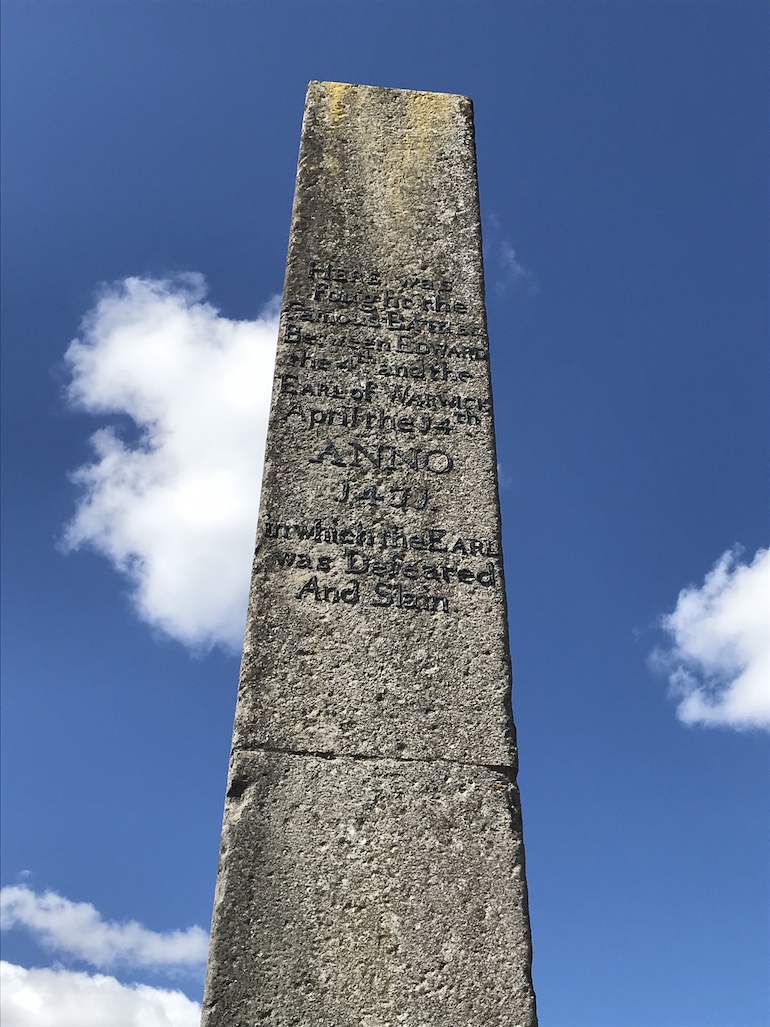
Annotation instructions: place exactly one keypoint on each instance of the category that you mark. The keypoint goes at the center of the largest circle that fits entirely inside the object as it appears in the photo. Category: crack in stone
(497, 768)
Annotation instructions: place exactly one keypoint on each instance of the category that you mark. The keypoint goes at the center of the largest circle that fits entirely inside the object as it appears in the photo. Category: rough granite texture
(372, 869)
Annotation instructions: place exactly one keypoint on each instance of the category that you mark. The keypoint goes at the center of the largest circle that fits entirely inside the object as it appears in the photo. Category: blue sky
(149, 154)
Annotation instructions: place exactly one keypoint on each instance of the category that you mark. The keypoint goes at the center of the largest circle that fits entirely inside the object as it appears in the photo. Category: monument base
(370, 893)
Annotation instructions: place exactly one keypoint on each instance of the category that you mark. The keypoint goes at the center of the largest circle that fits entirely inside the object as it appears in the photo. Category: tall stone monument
(372, 870)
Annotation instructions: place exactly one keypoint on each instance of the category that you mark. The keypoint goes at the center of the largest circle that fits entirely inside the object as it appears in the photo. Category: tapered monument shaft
(372, 869)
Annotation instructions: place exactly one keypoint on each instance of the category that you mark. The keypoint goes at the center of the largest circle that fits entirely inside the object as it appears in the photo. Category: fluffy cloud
(718, 659)
(76, 929)
(62, 998)
(174, 508)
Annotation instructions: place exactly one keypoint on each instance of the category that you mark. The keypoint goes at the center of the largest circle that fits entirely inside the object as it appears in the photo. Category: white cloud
(514, 271)
(76, 929)
(503, 266)
(62, 998)
(175, 509)
(718, 662)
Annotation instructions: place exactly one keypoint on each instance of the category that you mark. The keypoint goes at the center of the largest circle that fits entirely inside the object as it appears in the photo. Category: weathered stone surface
(370, 893)
(372, 869)
(409, 655)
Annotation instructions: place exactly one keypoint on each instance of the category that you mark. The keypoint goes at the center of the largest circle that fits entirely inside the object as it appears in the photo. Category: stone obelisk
(372, 870)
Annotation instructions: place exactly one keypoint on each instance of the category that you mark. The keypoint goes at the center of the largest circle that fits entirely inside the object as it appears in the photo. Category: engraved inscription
(384, 457)
(385, 568)
(378, 374)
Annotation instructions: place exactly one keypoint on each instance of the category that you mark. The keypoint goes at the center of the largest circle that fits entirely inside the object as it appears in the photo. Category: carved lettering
(358, 563)
(386, 458)
(383, 368)
(395, 595)
(328, 593)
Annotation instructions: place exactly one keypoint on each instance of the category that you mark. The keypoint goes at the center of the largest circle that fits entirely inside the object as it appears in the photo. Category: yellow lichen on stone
(339, 99)
(406, 167)
(427, 113)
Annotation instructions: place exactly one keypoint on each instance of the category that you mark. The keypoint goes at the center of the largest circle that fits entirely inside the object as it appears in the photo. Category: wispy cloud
(503, 267)
(63, 998)
(514, 272)
(718, 656)
(174, 509)
(77, 930)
